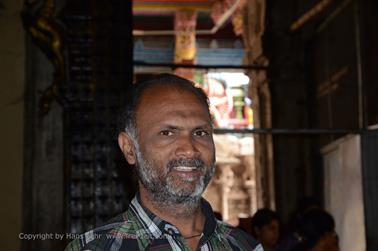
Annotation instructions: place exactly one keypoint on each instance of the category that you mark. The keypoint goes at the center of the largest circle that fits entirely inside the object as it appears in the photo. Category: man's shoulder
(114, 230)
(238, 237)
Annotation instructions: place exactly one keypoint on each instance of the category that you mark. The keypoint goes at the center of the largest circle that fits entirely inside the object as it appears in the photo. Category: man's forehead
(166, 87)
(171, 102)
(160, 94)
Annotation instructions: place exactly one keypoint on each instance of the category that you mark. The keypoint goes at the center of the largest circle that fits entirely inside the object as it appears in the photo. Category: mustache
(198, 163)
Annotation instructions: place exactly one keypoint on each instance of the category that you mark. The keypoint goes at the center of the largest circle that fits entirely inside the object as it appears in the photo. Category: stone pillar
(226, 182)
(12, 72)
(253, 30)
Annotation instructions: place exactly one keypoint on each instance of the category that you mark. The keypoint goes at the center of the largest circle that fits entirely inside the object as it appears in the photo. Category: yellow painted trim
(170, 7)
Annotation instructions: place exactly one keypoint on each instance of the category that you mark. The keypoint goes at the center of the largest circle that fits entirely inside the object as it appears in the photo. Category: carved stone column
(253, 30)
(249, 182)
(226, 181)
(232, 191)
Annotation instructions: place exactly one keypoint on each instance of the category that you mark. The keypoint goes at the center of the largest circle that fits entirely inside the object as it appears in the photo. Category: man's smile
(187, 173)
(185, 168)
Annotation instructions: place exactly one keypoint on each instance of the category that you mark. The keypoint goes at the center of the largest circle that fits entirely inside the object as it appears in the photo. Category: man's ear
(127, 147)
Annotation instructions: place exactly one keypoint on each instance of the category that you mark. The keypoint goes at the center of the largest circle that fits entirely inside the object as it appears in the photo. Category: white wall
(343, 191)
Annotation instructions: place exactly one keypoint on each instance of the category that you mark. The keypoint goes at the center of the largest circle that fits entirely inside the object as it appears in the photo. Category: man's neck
(189, 222)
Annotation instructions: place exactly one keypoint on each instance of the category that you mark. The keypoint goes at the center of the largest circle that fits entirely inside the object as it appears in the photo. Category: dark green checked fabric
(139, 229)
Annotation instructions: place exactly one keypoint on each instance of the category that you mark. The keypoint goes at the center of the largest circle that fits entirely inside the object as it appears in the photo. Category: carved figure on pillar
(40, 22)
(185, 45)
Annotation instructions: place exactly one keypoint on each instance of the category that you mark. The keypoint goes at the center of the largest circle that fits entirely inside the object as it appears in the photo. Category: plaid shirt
(140, 229)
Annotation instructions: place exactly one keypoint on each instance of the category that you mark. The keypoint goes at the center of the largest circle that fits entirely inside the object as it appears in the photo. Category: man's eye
(201, 133)
(166, 133)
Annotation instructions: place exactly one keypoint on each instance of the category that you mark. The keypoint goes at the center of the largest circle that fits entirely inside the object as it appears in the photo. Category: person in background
(266, 228)
(316, 232)
(290, 239)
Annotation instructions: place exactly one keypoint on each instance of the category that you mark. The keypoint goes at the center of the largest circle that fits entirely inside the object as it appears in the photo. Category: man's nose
(186, 147)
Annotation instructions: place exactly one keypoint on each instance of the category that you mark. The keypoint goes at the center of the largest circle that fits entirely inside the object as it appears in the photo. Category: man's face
(176, 155)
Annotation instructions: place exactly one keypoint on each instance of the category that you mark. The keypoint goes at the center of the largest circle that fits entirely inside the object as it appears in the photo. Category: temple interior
(292, 89)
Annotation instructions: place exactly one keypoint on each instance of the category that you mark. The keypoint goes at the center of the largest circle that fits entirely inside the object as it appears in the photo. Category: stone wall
(12, 57)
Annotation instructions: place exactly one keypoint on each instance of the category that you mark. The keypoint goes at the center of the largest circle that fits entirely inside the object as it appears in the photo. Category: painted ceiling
(167, 7)
(159, 15)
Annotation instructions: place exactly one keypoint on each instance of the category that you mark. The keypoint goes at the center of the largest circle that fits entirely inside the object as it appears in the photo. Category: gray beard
(163, 190)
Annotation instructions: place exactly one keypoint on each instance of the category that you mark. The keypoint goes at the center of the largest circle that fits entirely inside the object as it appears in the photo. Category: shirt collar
(157, 226)
(210, 220)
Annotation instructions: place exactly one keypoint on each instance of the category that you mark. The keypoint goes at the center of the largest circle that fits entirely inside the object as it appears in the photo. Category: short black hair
(263, 217)
(127, 121)
(314, 224)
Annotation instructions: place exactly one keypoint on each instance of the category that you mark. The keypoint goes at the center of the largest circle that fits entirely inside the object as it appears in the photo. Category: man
(168, 137)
